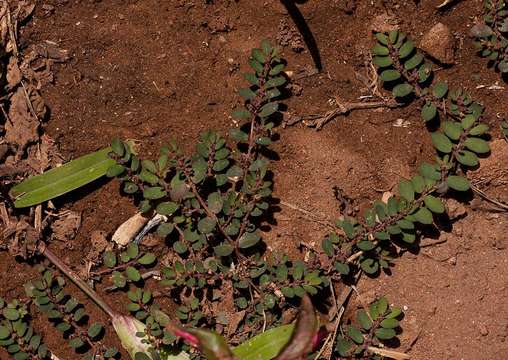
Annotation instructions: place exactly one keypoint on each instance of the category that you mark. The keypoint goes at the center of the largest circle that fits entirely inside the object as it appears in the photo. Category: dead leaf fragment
(66, 226)
(129, 229)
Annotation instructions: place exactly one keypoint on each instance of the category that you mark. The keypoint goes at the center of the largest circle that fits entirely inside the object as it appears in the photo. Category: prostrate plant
(17, 336)
(212, 202)
(373, 325)
(368, 242)
(68, 315)
(125, 266)
(491, 35)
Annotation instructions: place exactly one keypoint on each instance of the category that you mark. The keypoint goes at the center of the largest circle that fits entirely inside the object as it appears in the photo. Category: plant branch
(43, 250)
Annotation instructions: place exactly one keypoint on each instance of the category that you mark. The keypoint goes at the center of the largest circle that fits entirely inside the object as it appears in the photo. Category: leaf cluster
(491, 35)
(68, 315)
(374, 325)
(368, 242)
(125, 266)
(212, 201)
(17, 336)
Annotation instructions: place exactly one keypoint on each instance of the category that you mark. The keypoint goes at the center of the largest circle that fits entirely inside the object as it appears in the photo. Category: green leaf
(479, 130)
(440, 90)
(132, 273)
(355, 334)
(430, 171)
(149, 165)
(452, 129)
(247, 93)
(251, 78)
(249, 239)
(390, 75)
(382, 38)
(223, 250)
(424, 72)
(379, 49)
(241, 113)
(267, 345)
(215, 202)
(385, 334)
(402, 90)
(370, 266)
(393, 35)
(413, 62)
(458, 183)
(382, 61)
(424, 216)
(268, 109)
(220, 165)
(364, 319)
(4, 332)
(406, 190)
(165, 229)
(147, 259)
(441, 142)
(130, 187)
(429, 111)
(154, 193)
(479, 146)
(409, 237)
(167, 208)
(63, 179)
(109, 259)
(76, 343)
(406, 49)
(418, 184)
(503, 65)
(256, 65)
(11, 314)
(115, 170)
(342, 268)
(238, 135)
(406, 224)
(382, 306)
(275, 82)
(206, 225)
(468, 121)
(390, 323)
(365, 245)
(133, 250)
(394, 313)
(434, 204)
(277, 69)
(343, 347)
(467, 158)
(180, 247)
(94, 330)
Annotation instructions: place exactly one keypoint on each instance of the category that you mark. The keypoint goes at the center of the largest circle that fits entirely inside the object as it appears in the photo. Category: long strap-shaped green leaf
(63, 179)
(265, 346)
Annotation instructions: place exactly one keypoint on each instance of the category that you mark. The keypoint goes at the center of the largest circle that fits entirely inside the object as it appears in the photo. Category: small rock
(222, 39)
(455, 209)
(439, 43)
(384, 23)
(452, 260)
(483, 330)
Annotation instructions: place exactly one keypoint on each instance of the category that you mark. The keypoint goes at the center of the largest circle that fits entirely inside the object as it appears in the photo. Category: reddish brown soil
(152, 70)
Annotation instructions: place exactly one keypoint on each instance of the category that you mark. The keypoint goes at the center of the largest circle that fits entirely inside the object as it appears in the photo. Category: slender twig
(309, 215)
(388, 353)
(318, 121)
(43, 250)
(484, 196)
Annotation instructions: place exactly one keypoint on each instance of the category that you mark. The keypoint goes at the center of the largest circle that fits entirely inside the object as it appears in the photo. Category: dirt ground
(152, 70)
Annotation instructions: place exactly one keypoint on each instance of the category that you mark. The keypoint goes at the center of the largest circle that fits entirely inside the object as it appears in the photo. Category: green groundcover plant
(213, 202)
(491, 34)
